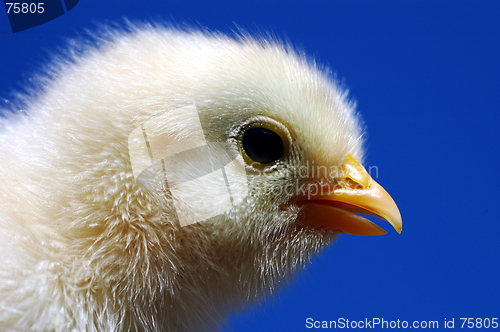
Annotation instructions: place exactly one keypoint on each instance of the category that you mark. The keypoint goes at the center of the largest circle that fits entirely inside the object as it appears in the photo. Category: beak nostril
(353, 170)
(354, 193)
(348, 183)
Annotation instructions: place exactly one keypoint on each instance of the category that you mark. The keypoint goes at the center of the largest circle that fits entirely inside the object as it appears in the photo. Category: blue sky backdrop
(426, 78)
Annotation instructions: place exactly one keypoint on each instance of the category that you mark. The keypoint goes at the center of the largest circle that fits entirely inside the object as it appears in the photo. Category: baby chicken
(163, 178)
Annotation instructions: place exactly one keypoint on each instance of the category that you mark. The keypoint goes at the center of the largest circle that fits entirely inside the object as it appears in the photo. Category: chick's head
(276, 127)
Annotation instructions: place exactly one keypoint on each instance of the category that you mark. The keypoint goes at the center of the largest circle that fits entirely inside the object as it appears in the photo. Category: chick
(94, 238)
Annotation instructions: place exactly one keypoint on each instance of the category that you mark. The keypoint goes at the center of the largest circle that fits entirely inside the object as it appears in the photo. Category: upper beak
(356, 192)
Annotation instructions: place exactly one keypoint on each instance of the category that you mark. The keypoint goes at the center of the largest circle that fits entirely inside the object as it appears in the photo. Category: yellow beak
(356, 192)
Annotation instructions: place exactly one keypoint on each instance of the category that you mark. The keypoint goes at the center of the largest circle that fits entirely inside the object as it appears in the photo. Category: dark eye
(263, 145)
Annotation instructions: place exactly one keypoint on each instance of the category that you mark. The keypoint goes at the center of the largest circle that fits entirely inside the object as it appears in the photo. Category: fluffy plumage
(84, 248)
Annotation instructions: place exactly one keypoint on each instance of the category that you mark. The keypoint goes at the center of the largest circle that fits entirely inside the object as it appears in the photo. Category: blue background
(426, 76)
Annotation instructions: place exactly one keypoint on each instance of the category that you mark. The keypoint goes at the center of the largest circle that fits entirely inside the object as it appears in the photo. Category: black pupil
(263, 145)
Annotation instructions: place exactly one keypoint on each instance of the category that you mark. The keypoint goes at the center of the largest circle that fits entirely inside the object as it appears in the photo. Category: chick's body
(84, 248)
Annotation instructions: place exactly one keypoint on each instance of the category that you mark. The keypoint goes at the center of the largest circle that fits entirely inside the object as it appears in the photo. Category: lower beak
(355, 192)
